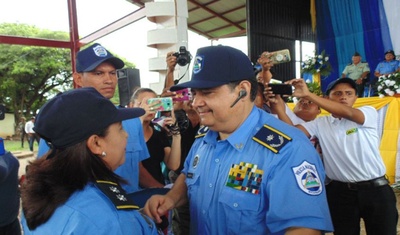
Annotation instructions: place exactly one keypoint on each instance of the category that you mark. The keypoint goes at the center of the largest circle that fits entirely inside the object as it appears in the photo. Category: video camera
(183, 57)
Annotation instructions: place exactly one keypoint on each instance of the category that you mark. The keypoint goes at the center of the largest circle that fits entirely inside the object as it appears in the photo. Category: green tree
(30, 74)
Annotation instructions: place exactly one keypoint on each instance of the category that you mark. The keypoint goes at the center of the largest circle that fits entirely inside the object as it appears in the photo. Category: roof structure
(214, 19)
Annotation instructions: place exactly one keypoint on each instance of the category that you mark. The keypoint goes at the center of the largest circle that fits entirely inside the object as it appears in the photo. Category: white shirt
(351, 151)
(29, 127)
(292, 116)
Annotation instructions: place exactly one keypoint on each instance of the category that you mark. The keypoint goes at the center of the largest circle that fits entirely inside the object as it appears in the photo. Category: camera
(183, 57)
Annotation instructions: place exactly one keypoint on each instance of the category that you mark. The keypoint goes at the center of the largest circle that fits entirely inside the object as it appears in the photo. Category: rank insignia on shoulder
(116, 194)
(271, 138)
(202, 131)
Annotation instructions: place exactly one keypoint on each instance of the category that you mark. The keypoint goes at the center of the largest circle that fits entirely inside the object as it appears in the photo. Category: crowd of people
(235, 158)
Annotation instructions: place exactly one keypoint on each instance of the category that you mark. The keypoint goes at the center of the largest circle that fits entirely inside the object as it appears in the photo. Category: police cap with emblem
(390, 52)
(89, 58)
(218, 65)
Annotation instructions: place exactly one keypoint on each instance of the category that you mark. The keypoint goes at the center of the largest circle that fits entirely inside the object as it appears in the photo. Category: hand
(359, 81)
(171, 61)
(167, 93)
(276, 102)
(148, 108)
(265, 60)
(301, 89)
(157, 206)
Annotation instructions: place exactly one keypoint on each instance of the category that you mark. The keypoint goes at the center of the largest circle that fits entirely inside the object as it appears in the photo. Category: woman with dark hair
(160, 148)
(73, 189)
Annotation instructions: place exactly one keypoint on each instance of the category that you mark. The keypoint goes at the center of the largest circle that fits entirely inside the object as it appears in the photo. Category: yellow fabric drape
(388, 147)
(313, 14)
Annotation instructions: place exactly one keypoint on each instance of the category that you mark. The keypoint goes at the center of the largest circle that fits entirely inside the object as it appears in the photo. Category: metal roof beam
(114, 26)
(5, 39)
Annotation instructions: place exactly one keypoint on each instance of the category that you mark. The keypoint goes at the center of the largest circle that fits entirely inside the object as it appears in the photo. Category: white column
(170, 33)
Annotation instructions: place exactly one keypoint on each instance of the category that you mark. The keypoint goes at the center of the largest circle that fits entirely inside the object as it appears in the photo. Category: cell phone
(279, 57)
(281, 89)
(158, 121)
(165, 103)
(182, 95)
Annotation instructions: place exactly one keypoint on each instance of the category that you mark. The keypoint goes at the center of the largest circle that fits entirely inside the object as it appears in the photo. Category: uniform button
(217, 160)
(210, 185)
(235, 204)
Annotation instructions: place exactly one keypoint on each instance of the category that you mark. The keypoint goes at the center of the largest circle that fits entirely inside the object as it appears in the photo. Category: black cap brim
(118, 64)
(341, 80)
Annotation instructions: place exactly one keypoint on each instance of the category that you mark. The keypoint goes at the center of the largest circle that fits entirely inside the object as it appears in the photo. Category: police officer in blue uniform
(388, 66)
(247, 172)
(97, 67)
(72, 189)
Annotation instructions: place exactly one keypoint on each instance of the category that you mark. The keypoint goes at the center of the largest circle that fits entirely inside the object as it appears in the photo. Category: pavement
(24, 158)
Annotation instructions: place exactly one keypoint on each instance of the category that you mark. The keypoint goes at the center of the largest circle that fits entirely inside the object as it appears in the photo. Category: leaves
(317, 64)
(29, 74)
(314, 87)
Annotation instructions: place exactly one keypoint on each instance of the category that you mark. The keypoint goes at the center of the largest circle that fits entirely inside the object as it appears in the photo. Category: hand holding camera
(183, 57)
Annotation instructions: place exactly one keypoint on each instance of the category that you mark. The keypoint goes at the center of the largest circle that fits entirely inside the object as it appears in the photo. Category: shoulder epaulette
(202, 131)
(116, 194)
(271, 138)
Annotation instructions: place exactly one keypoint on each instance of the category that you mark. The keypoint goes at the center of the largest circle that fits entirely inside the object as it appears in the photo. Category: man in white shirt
(350, 142)
(32, 136)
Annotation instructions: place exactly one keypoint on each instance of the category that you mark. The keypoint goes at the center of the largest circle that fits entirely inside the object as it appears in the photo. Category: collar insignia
(202, 131)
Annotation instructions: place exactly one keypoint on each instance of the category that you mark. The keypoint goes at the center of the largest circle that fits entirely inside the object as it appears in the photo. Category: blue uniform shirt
(385, 67)
(89, 211)
(136, 151)
(245, 186)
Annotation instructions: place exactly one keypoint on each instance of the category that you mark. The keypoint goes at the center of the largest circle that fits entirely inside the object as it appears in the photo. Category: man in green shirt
(358, 71)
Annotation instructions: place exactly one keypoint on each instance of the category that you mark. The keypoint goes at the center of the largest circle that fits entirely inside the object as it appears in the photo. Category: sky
(129, 42)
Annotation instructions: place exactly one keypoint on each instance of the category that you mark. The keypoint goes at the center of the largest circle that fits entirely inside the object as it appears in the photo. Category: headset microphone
(242, 93)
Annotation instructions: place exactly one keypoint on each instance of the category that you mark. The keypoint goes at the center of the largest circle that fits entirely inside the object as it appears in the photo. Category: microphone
(242, 93)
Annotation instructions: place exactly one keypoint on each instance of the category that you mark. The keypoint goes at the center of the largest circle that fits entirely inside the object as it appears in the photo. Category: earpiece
(242, 93)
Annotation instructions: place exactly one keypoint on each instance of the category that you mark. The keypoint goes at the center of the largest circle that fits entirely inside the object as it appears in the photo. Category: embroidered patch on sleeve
(307, 178)
(245, 177)
(271, 138)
